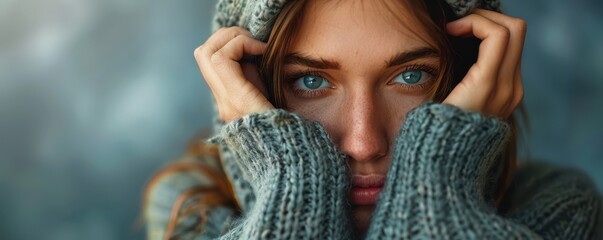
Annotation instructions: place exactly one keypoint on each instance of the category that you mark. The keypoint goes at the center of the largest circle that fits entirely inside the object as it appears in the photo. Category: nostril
(365, 151)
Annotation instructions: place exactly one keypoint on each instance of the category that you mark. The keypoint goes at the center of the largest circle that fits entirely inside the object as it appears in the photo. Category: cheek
(390, 110)
(398, 106)
(323, 110)
(313, 109)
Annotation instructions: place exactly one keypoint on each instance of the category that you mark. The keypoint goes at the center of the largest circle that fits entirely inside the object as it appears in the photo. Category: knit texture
(299, 179)
(291, 183)
(436, 187)
(258, 16)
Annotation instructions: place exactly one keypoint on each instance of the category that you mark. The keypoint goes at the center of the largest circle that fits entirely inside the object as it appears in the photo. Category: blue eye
(411, 77)
(310, 82)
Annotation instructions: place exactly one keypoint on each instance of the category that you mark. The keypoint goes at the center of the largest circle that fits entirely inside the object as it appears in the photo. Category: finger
(483, 75)
(225, 61)
(223, 36)
(217, 40)
(517, 30)
(232, 77)
(517, 97)
(238, 47)
(226, 58)
(494, 41)
(510, 83)
(513, 100)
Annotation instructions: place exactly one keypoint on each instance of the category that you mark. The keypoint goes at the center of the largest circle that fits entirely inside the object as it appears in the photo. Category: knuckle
(234, 31)
(218, 31)
(478, 78)
(239, 38)
(198, 52)
(221, 30)
(240, 30)
(502, 32)
(217, 58)
(226, 31)
(231, 30)
(520, 25)
(473, 16)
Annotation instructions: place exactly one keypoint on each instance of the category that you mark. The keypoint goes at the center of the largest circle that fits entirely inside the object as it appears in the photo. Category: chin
(361, 218)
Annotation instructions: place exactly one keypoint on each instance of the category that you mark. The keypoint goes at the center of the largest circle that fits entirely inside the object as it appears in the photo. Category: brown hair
(204, 197)
(456, 56)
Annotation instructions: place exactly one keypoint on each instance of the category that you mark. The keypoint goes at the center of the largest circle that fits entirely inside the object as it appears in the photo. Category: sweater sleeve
(299, 179)
(438, 184)
(556, 203)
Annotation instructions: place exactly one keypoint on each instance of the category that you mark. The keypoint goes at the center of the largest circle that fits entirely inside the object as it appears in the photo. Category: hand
(493, 84)
(235, 86)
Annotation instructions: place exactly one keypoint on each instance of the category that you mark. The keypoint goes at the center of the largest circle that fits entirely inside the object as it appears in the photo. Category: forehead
(356, 31)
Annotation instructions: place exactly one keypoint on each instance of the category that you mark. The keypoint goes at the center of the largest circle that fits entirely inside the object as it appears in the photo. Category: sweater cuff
(446, 150)
(296, 173)
(436, 187)
(277, 140)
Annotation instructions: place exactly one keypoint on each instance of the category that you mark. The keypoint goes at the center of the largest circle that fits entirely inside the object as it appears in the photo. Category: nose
(364, 136)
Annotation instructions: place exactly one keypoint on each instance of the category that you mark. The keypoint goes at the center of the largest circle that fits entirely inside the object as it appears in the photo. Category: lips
(366, 189)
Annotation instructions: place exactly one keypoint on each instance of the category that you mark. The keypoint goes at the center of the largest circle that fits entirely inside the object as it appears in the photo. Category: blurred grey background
(97, 95)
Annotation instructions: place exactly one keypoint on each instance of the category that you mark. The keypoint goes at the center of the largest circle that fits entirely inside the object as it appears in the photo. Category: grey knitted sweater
(291, 183)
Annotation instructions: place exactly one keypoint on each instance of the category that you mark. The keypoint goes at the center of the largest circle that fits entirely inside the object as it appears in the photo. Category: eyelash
(415, 87)
(306, 93)
(320, 92)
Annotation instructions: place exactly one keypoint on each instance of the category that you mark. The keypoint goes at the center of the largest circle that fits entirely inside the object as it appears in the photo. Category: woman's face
(358, 69)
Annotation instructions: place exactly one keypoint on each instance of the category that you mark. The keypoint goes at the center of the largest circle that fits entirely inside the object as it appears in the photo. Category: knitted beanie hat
(257, 15)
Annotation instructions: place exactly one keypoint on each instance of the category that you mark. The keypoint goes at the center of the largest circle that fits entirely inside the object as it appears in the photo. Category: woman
(366, 119)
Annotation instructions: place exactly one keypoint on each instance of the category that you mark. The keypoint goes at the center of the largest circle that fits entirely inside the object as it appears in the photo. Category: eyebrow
(321, 63)
(411, 55)
(296, 58)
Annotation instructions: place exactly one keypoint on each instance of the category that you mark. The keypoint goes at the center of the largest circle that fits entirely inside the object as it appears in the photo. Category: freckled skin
(363, 111)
